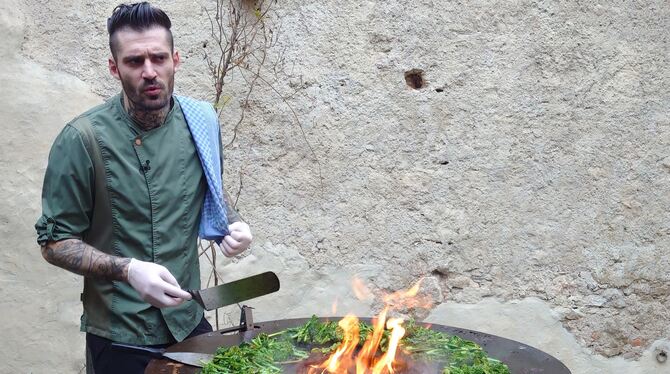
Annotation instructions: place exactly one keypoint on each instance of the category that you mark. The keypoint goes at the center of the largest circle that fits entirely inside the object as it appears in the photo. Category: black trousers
(103, 359)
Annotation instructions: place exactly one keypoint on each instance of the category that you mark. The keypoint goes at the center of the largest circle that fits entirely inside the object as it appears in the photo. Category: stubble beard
(148, 111)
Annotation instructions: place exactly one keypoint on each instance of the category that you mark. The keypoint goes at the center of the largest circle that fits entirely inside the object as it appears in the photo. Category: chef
(129, 188)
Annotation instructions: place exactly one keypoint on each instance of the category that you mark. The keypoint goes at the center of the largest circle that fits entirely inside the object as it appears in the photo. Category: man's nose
(148, 71)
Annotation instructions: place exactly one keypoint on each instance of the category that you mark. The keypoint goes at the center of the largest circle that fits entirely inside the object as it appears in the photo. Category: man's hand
(238, 240)
(155, 284)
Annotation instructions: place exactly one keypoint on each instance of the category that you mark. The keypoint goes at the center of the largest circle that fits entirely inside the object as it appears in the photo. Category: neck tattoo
(146, 119)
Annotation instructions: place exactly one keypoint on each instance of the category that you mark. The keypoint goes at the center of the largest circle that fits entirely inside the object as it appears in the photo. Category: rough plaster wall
(40, 307)
(533, 164)
(540, 169)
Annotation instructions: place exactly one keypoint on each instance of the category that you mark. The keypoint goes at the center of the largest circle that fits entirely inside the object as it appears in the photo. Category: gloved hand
(238, 240)
(155, 284)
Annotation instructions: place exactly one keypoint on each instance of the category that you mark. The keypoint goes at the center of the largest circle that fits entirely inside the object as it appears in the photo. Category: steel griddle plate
(519, 357)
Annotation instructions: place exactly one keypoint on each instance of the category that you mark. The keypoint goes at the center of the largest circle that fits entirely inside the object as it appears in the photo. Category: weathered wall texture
(528, 181)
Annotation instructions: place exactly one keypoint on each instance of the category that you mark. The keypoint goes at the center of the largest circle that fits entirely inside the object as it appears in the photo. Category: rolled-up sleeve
(67, 193)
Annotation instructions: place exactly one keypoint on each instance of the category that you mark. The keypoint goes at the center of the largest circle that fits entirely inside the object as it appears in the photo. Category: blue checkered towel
(204, 125)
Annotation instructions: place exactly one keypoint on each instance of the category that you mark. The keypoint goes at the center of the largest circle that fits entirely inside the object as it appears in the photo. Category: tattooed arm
(80, 258)
(152, 281)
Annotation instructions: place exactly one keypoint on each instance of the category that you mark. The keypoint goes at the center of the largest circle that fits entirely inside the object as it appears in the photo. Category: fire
(345, 351)
(386, 361)
(369, 360)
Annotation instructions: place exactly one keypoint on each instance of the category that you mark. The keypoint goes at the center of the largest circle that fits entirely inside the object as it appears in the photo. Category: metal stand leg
(246, 318)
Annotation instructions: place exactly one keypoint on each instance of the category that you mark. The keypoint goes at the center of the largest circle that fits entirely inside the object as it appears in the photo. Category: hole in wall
(414, 78)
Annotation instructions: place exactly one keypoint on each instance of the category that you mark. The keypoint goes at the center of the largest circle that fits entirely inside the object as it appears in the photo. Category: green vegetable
(460, 356)
(265, 353)
(261, 355)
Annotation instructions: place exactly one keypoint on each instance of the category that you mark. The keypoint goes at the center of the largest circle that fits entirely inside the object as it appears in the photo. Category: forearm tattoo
(80, 258)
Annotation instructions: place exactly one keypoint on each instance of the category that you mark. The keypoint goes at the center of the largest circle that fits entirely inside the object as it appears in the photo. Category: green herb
(459, 355)
(328, 333)
(261, 355)
(316, 332)
(488, 366)
(265, 353)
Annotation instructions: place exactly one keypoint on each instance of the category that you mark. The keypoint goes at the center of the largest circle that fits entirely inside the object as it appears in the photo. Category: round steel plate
(519, 357)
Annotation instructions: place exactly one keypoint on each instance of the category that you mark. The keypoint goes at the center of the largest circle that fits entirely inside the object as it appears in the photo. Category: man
(122, 201)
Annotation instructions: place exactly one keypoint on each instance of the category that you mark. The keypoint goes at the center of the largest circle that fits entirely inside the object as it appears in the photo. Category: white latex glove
(155, 284)
(238, 241)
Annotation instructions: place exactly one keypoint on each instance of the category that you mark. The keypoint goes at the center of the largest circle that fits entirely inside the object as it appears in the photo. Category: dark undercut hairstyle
(138, 17)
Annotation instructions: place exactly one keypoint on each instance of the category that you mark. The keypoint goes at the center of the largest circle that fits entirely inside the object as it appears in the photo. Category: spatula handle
(195, 295)
(153, 352)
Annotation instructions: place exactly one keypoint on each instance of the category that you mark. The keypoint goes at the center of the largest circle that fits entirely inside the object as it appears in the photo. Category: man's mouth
(152, 90)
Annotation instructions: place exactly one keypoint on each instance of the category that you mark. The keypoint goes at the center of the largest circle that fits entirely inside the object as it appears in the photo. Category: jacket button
(138, 141)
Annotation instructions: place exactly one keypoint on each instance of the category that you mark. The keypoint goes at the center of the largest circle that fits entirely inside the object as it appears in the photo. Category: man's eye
(135, 61)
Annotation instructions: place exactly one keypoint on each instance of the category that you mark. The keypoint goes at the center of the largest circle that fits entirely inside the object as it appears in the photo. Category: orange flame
(368, 361)
(367, 355)
(341, 359)
(386, 361)
(408, 298)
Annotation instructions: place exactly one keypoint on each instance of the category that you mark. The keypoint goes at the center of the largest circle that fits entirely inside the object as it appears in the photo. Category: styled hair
(138, 17)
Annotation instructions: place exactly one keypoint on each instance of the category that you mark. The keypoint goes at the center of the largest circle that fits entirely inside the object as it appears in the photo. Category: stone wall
(527, 180)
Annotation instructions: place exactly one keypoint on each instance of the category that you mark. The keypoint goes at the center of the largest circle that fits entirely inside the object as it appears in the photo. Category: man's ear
(113, 68)
(176, 60)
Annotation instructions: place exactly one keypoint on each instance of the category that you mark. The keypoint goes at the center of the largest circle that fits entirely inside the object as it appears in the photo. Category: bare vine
(238, 30)
(240, 40)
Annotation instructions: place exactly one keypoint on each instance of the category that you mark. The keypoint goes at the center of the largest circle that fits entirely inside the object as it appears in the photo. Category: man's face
(145, 65)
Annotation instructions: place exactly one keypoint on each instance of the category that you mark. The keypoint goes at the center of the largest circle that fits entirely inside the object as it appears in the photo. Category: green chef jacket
(155, 188)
